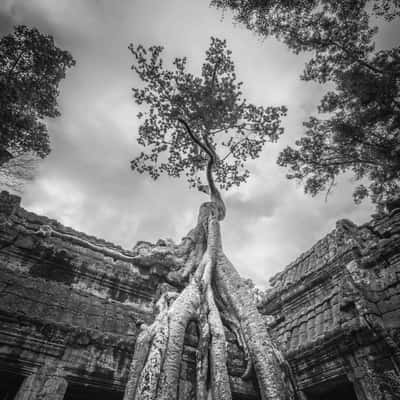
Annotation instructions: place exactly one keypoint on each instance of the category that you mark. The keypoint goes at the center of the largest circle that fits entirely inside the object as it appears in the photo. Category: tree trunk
(155, 368)
(264, 355)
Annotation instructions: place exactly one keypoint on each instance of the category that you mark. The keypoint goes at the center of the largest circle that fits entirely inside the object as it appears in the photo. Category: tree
(359, 131)
(31, 68)
(187, 120)
(182, 107)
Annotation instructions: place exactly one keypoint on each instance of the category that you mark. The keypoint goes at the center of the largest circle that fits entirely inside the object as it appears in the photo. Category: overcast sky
(86, 182)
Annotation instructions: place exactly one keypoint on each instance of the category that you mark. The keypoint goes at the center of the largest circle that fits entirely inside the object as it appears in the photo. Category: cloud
(86, 181)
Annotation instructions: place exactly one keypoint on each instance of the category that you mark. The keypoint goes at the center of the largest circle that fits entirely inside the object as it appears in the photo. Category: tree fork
(160, 372)
(159, 349)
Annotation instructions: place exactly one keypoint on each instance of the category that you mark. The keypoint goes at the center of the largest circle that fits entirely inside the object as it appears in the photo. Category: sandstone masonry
(72, 305)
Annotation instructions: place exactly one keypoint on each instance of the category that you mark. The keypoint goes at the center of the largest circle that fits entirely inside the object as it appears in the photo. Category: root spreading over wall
(214, 295)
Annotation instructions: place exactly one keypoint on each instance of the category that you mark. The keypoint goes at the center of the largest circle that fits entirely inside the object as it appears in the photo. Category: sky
(86, 182)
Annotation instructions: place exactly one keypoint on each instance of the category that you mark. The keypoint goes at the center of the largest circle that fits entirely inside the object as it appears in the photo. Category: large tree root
(271, 372)
(215, 294)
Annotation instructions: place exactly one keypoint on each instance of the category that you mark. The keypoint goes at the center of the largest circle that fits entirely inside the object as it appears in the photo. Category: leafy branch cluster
(211, 104)
(359, 125)
(31, 67)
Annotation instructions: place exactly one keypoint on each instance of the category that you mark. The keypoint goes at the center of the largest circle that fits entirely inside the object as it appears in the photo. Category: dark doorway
(340, 388)
(9, 385)
(83, 392)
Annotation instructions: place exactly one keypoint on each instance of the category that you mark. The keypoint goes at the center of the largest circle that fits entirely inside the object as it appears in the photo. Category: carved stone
(72, 306)
(47, 384)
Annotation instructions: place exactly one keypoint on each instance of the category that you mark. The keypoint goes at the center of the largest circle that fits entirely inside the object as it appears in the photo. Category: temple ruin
(72, 306)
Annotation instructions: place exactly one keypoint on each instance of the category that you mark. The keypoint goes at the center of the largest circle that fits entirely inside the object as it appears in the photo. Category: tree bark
(263, 352)
(155, 369)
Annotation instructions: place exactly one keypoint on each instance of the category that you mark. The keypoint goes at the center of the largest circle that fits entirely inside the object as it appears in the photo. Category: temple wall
(71, 307)
(335, 311)
(65, 307)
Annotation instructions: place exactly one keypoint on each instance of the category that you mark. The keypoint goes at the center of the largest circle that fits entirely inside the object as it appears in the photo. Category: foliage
(359, 130)
(31, 68)
(211, 104)
(362, 135)
(337, 32)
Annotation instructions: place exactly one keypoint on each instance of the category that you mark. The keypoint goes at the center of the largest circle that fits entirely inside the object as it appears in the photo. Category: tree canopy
(210, 106)
(358, 129)
(31, 68)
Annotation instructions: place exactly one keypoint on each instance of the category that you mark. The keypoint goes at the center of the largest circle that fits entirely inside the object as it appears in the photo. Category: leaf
(211, 104)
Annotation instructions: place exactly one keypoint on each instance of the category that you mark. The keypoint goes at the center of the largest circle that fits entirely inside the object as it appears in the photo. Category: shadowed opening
(9, 385)
(340, 388)
(82, 392)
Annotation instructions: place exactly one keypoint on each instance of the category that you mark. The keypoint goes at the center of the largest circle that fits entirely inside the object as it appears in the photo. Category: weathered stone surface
(336, 310)
(47, 383)
(72, 306)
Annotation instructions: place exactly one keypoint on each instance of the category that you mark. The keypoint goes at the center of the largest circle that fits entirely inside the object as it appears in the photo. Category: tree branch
(327, 163)
(15, 63)
(206, 146)
(350, 54)
(214, 77)
(357, 59)
(235, 145)
(194, 138)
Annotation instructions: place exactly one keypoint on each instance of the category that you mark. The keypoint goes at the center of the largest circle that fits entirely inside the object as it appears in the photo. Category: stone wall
(71, 307)
(335, 311)
(66, 310)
